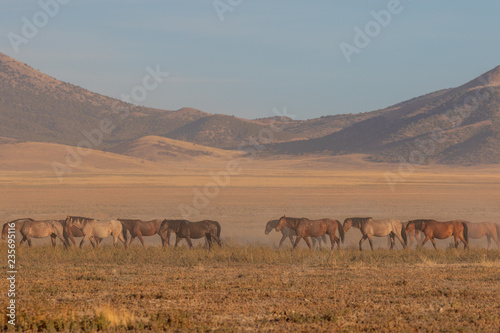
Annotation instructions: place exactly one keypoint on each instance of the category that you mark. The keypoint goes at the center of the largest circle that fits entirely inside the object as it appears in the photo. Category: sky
(248, 57)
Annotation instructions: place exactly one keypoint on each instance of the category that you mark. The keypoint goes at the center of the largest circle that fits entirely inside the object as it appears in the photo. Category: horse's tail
(341, 231)
(124, 231)
(404, 235)
(498, 231)
(466, 232)
(218, 228)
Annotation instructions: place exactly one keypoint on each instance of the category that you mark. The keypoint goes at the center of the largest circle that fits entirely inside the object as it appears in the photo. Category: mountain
(452, 126)
(37, 107)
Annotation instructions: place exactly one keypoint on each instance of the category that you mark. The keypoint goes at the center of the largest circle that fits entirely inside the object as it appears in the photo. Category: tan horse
(378, 228)
(482, 229)
(305, 228)
(18, 224)
(95, 228)
(138, 228)
(441, 230)
(195, 230)
(290, 234)
(42, 229)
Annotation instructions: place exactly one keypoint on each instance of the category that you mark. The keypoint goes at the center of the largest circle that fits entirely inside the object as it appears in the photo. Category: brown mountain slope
(37, 107)
(459, 125)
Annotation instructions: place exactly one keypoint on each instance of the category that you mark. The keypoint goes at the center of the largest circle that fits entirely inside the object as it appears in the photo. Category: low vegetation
(254, 287)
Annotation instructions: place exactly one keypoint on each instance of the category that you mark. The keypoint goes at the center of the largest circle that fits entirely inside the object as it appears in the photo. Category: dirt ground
(248, 284)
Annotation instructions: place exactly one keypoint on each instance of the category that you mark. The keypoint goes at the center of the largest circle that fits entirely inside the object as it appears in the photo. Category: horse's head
(281, 223)
(412, 225)
(347, 224)
(269, 226)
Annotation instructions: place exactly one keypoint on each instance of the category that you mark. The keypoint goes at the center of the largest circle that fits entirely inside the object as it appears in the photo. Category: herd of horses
(293, 228)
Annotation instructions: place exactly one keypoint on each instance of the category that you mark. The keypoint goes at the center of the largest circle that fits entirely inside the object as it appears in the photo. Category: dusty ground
(249, 284)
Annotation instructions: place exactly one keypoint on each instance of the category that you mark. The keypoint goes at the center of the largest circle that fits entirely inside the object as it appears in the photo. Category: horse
(186, 229)
(42, 229)
(441, 230)
(481, 229)
(305, 228)
(379, 228)
(95, 228)
(290, 234)
(138, 228)
(18, 225)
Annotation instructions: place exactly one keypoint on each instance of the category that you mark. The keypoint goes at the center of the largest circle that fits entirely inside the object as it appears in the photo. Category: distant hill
(160, 149)
(451, 126)
(226, 132)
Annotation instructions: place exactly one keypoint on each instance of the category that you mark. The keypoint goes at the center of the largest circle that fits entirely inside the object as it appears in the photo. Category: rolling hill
(160, 149)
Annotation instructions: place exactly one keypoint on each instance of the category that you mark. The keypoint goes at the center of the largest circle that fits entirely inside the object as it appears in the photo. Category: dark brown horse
(441, 230)
(305, 228)
(195, 230)
(138, 228)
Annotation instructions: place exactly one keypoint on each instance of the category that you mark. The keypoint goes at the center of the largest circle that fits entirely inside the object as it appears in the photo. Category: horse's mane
(358, 221)
(81, 218)
(30, 219)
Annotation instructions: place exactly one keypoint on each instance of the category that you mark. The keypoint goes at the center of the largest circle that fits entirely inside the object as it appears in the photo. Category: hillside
(452, 126)
(40, 156)
(160, 149)
(226, 132)
(37, 107)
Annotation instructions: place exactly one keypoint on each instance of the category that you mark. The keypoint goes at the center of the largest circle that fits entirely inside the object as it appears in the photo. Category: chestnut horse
(138, 228)
(481, 229)
(96, 229)
(441, 230)
(290, 234)
(305, 228)
(195, 230)
(379, 228)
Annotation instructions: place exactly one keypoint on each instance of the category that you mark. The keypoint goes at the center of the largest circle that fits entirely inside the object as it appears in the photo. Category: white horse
(379, 228)
(92, 228)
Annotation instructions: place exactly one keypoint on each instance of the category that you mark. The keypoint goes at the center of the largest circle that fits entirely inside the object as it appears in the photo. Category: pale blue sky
(264, 54)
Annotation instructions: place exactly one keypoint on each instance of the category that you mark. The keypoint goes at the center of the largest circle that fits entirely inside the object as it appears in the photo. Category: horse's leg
(370, 240)
(188, 239)
(85, 237)
(314, 242)
(456, 240)
(23, 240)
(29, 240)
(393, 241)
(297, 240)
(401, 240)
(139, 235)
(488, 238)
(361, 241)
(308, 242)
(209, 241)
(53, 240)
(433, 243)
(425, 240)
(466, 245)
(291, 239)
(177, 240)
(283, 237)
